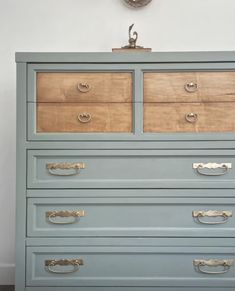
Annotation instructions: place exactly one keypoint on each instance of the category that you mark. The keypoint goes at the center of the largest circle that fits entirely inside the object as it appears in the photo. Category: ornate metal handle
(191, 87)
(49, 264)
(84, 87)
(212, 166)
(64, 169)
(226, 264)
(65, 213)
(191, 117)
(225, 214)
(84, 117)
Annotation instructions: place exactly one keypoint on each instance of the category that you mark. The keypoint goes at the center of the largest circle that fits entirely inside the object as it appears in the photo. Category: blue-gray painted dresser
(125, 171)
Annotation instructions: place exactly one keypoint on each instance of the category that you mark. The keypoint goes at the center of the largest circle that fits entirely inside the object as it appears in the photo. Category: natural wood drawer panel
(86, 117)
(155, 217)
(84, 87)
(170, 87)
(171, 117)
(129, 266)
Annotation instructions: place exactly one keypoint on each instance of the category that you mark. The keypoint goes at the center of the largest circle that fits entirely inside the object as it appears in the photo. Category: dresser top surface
(129, 57)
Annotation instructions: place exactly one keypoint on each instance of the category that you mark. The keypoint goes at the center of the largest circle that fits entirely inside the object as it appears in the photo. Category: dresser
(125, 171)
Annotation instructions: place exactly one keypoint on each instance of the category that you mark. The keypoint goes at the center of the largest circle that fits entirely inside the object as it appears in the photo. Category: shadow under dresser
(125, 171)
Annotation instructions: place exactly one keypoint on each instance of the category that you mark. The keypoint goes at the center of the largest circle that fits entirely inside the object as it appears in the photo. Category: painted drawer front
(189, 117)
(84, 87)
(130, 266)
(130, 169)
(50, 217)
(84, 117)
(189, 87)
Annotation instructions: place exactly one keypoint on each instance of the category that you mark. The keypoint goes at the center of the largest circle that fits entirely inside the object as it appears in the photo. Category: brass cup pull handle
(191, 87)
(200, 266)
(84, 117)
(50, 265)
(201, 214)
(83, 87)
(191, 117)
(73, 215)
(202, 168)
(65, 169)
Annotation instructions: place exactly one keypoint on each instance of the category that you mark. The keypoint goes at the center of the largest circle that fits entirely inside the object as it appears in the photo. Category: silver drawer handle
(83, 87)
(212, 166)
(224, 214)
(64, 169)
(226, 264)
(191, 117)
(84, 117)
(50, 215)
(191, 87)
(75, 263)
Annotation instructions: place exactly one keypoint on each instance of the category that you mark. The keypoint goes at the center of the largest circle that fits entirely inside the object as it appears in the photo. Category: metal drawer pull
(225, 214)
(84, 87)
(212, 166)
(65, 213)
(191, 117)
(49, 264)
(84, 117)
(65, 169)
(191, 87)
(226, 264)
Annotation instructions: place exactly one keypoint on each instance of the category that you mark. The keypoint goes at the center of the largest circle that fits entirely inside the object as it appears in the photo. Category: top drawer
(84, 87)
(189, 87)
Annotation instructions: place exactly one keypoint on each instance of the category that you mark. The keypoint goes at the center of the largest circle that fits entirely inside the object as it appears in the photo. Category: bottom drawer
(131, 266)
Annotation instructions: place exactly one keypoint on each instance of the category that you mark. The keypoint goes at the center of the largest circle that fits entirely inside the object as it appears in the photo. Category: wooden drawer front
(97, 117)
(131, 169)
(129, 266)
(189, 87)
(130, 217)
(189, 117)
(84, 87)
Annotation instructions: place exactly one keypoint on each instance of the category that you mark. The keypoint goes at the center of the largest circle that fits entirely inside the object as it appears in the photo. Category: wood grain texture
(169, 87)
(170, 117)
(104, 87)
(59, 117)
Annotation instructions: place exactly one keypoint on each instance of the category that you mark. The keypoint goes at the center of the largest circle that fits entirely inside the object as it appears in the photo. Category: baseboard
(7, 288)
(7, 274)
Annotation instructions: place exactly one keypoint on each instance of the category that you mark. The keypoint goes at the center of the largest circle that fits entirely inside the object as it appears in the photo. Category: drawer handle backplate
(65, 213)
(200, 214)
(65, 169)
(212, 166)
(75, 263)
(84, 87)
(84, 117)
(226, 264)
(191, 87)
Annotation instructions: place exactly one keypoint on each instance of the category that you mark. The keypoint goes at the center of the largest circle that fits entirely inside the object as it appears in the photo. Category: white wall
(90, 25)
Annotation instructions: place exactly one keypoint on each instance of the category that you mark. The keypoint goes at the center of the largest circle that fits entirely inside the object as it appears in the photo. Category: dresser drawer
(85, 117)
(131, 169)
(189, 87)
(76, 217)
(189, 117)
(130, 266)
(84, 87)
